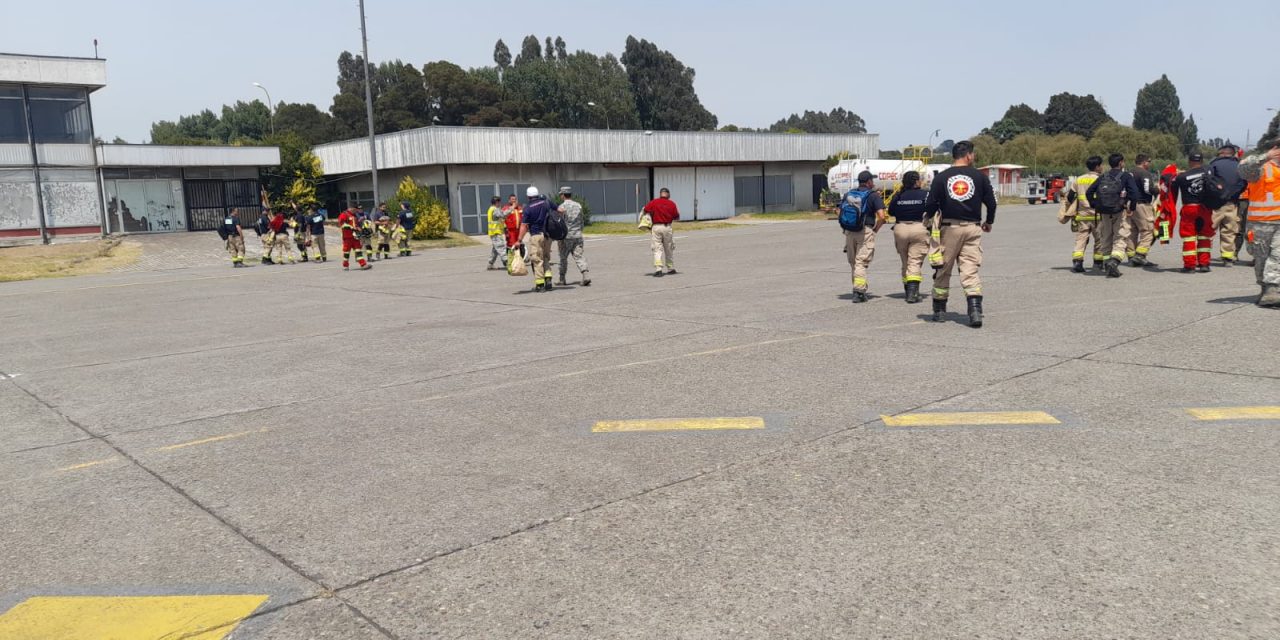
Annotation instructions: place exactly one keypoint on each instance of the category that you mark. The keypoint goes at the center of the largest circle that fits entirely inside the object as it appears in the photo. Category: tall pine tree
(663, 89)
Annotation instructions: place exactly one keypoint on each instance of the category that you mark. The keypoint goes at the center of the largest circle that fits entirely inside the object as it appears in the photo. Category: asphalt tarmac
(432, 450)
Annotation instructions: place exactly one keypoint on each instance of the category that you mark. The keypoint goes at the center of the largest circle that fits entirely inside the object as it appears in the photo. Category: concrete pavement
(409, 452)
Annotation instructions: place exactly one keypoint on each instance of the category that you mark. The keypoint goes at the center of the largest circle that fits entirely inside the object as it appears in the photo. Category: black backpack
(1213, 192)
(1110, 186)
(555, 227)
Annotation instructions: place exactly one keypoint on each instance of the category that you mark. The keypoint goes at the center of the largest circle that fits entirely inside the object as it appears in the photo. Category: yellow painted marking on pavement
(969, 418)
(86, 465)
(193, 443)
(133, 617)
(677, 424)
(1236, 413)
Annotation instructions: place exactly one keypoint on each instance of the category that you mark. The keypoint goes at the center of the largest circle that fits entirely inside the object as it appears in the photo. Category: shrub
(433, 216)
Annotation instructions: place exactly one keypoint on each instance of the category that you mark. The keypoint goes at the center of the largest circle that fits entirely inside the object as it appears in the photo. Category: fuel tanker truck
(844, 176)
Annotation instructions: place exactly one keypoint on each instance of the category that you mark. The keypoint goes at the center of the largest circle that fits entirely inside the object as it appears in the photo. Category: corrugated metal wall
(478, 145)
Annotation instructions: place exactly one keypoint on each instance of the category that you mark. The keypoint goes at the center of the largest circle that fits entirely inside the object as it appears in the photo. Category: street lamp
(606, 114)
(931, 137)
(270, 107)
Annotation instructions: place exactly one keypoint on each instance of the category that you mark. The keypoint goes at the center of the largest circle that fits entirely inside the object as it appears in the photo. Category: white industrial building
(710, 174)
(56, 180)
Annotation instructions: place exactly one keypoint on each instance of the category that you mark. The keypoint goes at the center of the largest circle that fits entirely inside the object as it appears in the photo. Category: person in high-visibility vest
(1085, 224)
(497, 233)
(1262, 170)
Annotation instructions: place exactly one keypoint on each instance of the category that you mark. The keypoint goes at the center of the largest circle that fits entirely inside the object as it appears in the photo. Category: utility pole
(368, 105)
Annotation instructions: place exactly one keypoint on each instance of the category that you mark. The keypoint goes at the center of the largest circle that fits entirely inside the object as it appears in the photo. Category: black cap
(1228, 147)
(495, 199)
(1195, 156)
(866, 176)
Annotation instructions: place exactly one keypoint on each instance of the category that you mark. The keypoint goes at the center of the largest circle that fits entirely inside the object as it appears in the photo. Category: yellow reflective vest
(496, 227)
(1084, 211)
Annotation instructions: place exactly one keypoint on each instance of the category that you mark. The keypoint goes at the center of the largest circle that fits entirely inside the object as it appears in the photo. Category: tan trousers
(861, 248)
(1226, 220)
(235, 247)
(1142, 225)
(663, 246)
(283, 247)
(912, 242)
(1084, 231)
(538, 255)
(962, 247)
(1113, 229)
(318, 243)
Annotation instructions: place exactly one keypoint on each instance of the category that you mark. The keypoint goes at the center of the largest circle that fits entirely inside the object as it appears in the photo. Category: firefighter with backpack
(1114, 195)
(1085, 222)
(862, 214)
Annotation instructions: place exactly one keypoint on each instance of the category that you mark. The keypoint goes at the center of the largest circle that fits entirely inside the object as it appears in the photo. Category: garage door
(715, 193)
(681, 182)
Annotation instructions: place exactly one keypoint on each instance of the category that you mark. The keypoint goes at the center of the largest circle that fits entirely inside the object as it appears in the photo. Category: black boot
(1077, 266)
(975, 311)
(939, 309)
(1113, 268)
(913, 292)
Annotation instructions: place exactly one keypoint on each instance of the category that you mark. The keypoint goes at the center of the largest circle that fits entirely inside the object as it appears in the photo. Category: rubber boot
(1204, 268)
(1113, 268)
(1270, 297)
(859, 296)
(1077, 266)
(975, 311)
(939, 309)
(913, 292)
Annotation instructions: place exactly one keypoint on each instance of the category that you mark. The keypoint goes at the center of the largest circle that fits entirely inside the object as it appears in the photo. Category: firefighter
(280, 242)
(382, 229)
(233, 235)
(349, 224)
(301, 234)
(532, 232)
(860, 245)
(1226, 216)
(263, 228)
(1195, 223)
(405, 230)
(957, 195)
(1262, 170)
(1085, 224)
(315, 229)
(1142, 222)
(364, 230)
(909, 234)
(496, 218)
(1114, 197)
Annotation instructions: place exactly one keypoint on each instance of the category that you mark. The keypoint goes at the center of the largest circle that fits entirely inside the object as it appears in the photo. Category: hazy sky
(906, 67)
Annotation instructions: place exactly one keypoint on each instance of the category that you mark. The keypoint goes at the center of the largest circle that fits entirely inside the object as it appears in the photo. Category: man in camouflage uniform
(572, 243)
(1262, 172)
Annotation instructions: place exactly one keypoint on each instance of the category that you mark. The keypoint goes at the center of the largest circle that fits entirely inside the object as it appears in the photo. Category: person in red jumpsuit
(1195, 226)
(513, 211)
(1168, 214)
(351, 241)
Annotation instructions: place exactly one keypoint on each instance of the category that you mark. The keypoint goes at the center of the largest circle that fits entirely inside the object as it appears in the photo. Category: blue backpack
(853, 209)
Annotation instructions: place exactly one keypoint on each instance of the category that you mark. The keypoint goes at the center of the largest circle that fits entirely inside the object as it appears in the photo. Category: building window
(60, 115)
(778, 190)
(13, 119)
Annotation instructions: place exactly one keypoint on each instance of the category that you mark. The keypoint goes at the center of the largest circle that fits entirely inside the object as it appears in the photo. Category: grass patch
(786, 215)
(453, 239)
(71, 259)
(629, 228)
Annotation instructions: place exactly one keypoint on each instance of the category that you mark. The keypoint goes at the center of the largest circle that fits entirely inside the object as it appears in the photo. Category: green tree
(306, 120)
(501, 55)
(530, 50)
(400, 98)
(663, 89)
(1189, 133)
(307, 174)
(561, 54)
(987, 150)
(1271, 134)
(1158, 107)
(1070, 113)
(838, 120)
(1007, 129)
(1017, 119)
(433, 217)
(945, 146)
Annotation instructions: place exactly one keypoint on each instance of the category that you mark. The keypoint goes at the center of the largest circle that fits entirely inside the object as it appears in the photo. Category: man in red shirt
(664, 213)
(280, 231)
(350, 241)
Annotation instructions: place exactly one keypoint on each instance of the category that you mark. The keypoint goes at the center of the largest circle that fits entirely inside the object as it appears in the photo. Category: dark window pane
(56, 93)
(13, 120)
(60, 116)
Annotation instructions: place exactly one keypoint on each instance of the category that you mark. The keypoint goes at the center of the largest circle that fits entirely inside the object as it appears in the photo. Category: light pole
(931, 137)
(368, 105)
(606, 114)
(271, 107)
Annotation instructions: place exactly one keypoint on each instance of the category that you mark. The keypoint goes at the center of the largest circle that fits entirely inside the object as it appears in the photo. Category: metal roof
(56, 70)
(484, 145)
(154, 155)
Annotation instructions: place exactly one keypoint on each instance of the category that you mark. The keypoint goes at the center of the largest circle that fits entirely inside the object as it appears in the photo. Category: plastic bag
(646, 221)
(515, 264)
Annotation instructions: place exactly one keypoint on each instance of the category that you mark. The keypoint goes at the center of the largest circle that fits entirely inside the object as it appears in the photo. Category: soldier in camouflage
(572, 245)
(1262, 172)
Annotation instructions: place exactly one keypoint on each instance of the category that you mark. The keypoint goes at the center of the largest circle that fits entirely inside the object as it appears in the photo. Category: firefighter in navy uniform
(263, 228)
(909, 234)
(958, 195)
(1114, 196)
(233, 236)
(315, 228)
(1142, 223)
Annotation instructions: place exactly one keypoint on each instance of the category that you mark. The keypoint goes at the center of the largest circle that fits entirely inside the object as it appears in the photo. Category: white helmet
(531, 192)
